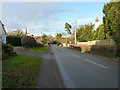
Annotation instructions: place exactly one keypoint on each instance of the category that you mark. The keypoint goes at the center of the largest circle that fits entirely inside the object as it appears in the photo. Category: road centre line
(76, 55)
(90, 61)
(96, 63)
(73, 54)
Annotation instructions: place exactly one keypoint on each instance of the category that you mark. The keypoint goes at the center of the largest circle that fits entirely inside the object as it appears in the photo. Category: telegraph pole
(26, 32)
(75, 30)
(41, 33)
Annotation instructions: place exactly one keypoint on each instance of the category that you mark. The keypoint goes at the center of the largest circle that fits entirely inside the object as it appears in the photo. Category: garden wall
(98, 42)
(104, 50)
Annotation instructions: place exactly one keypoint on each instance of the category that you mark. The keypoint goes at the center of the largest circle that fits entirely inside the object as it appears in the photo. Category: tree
(84, 33)
(99, 34)
(68, 27)
(111, 20)
(58, 37)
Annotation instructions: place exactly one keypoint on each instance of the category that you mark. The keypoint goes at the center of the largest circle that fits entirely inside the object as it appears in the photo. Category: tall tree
(99, 34)
(68, 27)
(111, 20)
(59, 37)
(84, 33)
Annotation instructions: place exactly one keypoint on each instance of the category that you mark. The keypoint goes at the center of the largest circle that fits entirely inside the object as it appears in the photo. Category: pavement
(80, 70)
(49, 75)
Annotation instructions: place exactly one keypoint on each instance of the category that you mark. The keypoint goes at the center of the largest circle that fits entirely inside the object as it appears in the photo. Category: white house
(97, 23)
(3, 33)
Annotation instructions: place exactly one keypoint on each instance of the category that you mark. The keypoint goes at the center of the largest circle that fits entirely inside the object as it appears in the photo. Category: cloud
(56, 0)
(33, 16)
(84, 20)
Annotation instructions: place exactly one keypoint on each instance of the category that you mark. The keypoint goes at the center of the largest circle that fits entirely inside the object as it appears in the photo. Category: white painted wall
(96, 25)
(4, 37)
(2, 33)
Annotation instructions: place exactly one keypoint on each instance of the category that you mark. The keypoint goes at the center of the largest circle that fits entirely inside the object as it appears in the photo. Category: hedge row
(28, 41)
(14, 40)
(7, 50)
(104, 50)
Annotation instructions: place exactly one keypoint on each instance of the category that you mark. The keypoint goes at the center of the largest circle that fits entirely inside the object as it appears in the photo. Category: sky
(49, 17)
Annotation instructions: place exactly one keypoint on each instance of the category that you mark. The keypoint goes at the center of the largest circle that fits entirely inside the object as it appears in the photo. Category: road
(85, 70)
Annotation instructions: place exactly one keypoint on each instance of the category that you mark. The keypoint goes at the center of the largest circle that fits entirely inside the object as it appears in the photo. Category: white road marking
(76, 55)
(73, 54)
(96, 63)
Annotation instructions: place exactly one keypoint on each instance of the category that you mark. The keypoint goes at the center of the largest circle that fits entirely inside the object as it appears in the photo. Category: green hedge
(7, 50)
(28, 41)
(104, 50)
(14, 40)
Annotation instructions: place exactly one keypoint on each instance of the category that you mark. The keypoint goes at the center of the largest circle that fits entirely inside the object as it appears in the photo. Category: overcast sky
(49, 17)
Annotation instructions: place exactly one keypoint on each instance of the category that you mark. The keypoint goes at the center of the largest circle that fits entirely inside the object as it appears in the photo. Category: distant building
(3, 32)
(36, 37)
(16, 32)
(97, 23)
(29, 34)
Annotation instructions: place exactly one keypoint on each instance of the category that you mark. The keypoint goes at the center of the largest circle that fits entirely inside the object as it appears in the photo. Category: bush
(28, 41)
(54, 42)
(44, 41)
(14, 40)
(7, 50)
(106, 50)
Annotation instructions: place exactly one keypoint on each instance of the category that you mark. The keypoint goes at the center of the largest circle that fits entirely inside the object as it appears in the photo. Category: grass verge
(38, 49)
(21, 71)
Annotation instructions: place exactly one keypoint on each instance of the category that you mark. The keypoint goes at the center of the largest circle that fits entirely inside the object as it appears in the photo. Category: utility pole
(75, 30)
(41, 33)
(26, 32)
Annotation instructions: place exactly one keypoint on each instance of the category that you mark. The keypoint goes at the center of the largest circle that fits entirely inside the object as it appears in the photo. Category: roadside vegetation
(21, 71)
(14, 37)
(106, 32)
(7, 51)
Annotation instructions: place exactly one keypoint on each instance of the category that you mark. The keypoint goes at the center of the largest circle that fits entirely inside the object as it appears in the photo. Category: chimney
(96, 20)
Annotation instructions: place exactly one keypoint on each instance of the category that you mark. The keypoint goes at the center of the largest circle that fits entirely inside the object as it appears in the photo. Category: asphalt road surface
(84, 70)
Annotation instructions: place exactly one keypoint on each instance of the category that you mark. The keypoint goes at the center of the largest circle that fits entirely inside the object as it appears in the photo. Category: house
(29, 34)
(97, 23)
(3, 32)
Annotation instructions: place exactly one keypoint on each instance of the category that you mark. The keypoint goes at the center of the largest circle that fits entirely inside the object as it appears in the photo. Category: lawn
(38, 49)
(21, 71)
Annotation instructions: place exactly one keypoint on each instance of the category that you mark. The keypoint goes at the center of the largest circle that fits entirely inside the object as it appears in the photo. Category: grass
(21, 71)
(38, 49)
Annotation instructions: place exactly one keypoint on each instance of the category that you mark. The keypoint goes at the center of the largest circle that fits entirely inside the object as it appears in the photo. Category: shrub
(14, 40)
(28, 41)
(7, 50)
(44, 41)
(106, 50)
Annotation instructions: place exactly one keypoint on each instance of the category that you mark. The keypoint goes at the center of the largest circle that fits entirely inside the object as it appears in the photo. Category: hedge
(28, 41)
(7, 50)
(14, 40)
(104, 50)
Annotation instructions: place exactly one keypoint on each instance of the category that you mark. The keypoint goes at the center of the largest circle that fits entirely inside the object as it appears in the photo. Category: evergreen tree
(59, 37)
(85, 33)
(111, 21)
(68, 27)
